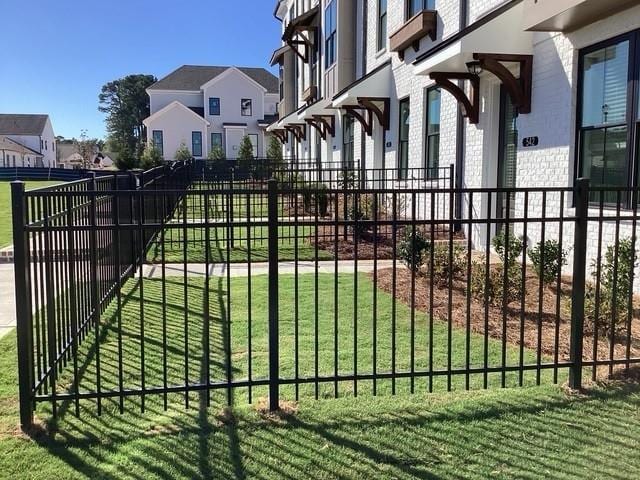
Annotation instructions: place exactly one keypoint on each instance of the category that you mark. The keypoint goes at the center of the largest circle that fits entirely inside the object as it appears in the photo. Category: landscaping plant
(216, 153)
(548, 258)
(616, 288)
(491, 286)
(413, 248)
(183, 154)
(508, 247)
(151, 157)
(447, 264)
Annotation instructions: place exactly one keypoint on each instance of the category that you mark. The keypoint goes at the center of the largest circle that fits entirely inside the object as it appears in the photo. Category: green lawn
(237, 251)
(6, 235)
(528, 432)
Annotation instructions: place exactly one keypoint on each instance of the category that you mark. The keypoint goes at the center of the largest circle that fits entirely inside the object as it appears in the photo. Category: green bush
(183, 154)
(443, 269)
(501, 241)
(413, 248)
(216, 153)
(359, 213)
(347, 179)
(492, 286)
(151, 157)
(616, 286)
(548, 266)
(315, 191)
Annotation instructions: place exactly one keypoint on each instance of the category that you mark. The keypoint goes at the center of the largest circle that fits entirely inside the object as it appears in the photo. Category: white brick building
(530, 61)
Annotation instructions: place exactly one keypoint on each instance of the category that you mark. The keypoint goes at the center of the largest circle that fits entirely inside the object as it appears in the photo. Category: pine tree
(245, 153)
(183, 154)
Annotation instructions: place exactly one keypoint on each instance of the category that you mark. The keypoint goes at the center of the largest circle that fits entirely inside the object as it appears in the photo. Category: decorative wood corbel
(362, 115)
(299, 130)
(281, 135)
(329, 122)
(470, 107)
(519, 88)
(318, 126)
(382, 112)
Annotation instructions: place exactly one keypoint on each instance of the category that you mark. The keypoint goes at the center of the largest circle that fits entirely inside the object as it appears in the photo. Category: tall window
(254, 142)
(382, 24)
(216, 140)
(432, 159)
(246, 107)
(607, 116)
(196, 144)
(158, 141)
(330, 35)
(214, 106)
(403, 139)
(348, 150)
(416, 6)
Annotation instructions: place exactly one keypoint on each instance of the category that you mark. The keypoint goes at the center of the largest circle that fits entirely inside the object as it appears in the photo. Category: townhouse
(27, 140)
(511, 93)
(204, 106)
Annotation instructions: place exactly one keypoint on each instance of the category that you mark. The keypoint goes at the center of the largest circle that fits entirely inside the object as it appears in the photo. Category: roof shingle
(22, 124)
(192, 77)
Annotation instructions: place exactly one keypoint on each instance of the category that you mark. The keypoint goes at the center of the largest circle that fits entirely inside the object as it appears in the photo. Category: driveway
(7, 299)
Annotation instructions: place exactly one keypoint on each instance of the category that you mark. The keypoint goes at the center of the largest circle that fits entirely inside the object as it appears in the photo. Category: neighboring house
(202, 106)
(13, 154)
(68, 157)
(33, 132)
(517, 93)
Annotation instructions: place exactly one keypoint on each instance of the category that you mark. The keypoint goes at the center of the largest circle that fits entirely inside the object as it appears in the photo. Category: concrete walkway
(7, 299)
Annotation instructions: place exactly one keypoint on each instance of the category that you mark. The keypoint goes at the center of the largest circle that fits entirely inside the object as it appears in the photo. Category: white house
(203, 106)
(31, 137)
(512, 93)
(68, 157)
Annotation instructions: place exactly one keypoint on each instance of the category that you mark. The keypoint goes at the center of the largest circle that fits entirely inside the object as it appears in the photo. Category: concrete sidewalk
(7, 299)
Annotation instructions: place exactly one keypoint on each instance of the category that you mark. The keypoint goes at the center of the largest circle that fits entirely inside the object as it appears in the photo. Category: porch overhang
(278, 55)
(298, 33)
(376, 84)
(320, 107)
(502, 34)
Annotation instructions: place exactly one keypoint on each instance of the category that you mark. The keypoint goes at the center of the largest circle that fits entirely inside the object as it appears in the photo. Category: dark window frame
(331, 36)
(194, 135)
(348, 163)
(242, 107)
(156, 144)
(382, 25)
(409, 11)
(213, 143)
(213, 111)
(430, 170)
(257, 144)
(403, 145)
(632, 119)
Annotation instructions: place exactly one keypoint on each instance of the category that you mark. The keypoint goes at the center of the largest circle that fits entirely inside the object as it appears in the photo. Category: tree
(183, 153)
(87, 148)
(151, 157)
(126, 103)
(216, 153)
(274, 151)
(245, 152)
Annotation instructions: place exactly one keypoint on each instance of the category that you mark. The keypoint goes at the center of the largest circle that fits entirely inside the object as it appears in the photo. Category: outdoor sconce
(474, 68)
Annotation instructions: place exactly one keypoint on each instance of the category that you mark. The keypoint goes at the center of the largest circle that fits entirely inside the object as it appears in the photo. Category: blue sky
(57, 54)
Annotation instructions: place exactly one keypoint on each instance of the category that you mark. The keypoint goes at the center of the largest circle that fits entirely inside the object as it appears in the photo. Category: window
(216, 140)
(246, 107)
(605, 122)
(46, 144)
(254, 141)
(196, 144)
(158, 141)
(330, 35)
(416, 6)
(403, 139)
(214, 106)
(348, 151)
(382, 24)
(432, 155)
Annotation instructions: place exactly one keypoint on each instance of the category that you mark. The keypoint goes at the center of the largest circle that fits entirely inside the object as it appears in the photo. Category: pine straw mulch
(513, 314)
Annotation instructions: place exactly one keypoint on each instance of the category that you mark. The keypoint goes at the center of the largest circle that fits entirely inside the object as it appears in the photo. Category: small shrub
(413, 248)
(491, 287)
(347, 179)
(322, 200)
(508, 247)
(183, 154)
(151, 157)
(357, 214)
(443, 269)
(615, 284)
(216, 153)
(548, 266)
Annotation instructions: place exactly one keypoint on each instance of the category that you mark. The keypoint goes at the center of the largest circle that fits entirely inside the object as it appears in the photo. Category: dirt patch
(522, 325)
(287, 409)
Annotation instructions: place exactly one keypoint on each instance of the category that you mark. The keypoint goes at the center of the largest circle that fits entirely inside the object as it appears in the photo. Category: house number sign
(530, 142)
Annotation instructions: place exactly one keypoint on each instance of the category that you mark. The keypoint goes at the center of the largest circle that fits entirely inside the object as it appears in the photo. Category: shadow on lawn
(514, 434)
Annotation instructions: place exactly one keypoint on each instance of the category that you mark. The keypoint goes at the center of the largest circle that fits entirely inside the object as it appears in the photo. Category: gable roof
(7, 143)
(171, 106)
(22, 124)
(192, 77)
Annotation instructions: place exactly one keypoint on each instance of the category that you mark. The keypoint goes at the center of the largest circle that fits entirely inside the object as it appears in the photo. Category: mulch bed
(513, 312)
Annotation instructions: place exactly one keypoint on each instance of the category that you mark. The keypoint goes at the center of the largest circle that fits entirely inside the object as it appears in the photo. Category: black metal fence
(231, 292)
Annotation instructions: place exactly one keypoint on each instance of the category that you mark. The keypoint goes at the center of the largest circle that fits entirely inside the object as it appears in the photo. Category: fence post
(274, 334)
(23, 315)
(579, 279)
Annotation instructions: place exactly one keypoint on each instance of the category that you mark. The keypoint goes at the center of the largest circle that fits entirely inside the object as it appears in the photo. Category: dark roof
(22, 124)
(192, 77)
(198, 111)
(269, 119)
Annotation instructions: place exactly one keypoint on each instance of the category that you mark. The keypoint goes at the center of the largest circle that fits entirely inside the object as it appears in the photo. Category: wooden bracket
(369, 107)
(281, 135)
(329, 122)
(312, 122)
(299, 130)
(470, 107)
(519, 88)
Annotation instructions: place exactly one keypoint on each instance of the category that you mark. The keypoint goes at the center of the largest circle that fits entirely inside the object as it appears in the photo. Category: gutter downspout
(363, 136)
